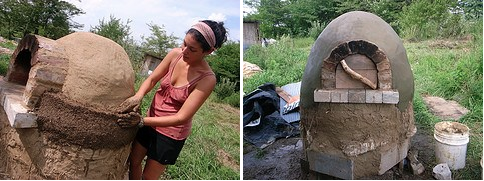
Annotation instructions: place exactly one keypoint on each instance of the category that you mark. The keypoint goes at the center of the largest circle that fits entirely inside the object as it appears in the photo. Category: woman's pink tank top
(169, 99)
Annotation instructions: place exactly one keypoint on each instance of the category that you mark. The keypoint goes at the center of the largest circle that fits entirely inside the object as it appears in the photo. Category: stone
(415, 165)
(322, 96)
(328, 65)
(339, 96)
(442, 172)
(373, 96)
(383, 65)
(390, 97)
(18, 114)
(393, 156)
(330, 164)
(356, 96)
(250, 69)
(445, 110)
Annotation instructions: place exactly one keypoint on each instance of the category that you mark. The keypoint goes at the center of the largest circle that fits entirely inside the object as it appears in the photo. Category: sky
(177, 16)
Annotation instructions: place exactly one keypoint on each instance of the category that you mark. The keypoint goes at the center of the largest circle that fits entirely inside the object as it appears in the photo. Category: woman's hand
(129, 120)
(129, 105)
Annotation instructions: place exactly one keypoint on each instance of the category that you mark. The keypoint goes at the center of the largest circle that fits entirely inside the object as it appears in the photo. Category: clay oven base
(67, 122)
(363, 133)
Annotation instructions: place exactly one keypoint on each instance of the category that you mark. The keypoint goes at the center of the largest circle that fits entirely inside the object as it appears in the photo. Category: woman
(186, 82)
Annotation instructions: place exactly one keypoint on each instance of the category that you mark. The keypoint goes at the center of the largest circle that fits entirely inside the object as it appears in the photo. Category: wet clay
(330, 128)
(67, 122)
(100, 72)
(451, 127)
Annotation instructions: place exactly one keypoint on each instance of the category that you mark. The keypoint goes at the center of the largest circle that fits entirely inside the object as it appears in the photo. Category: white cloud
(219, 17)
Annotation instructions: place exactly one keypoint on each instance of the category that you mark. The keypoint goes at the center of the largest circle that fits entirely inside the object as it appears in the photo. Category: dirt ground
(281, 161)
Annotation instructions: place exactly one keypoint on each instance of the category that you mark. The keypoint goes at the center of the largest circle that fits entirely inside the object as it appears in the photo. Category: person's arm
(194, 101)
(157, 74)
(132, 103)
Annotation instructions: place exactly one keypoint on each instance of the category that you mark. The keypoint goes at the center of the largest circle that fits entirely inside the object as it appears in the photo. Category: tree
(119, 32)
(49, 18)
(388, 10)
(290, 17)
(158, 43)
(298, 17)
(272, 16)
(424, 19)
(226, 62)
(113, 29)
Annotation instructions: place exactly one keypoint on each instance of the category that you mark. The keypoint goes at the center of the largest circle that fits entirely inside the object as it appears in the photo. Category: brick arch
(21, 61)
(39, 64)
(375, 54)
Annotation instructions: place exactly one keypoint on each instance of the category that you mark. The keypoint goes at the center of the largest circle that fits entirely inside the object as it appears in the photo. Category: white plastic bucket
(451, 143)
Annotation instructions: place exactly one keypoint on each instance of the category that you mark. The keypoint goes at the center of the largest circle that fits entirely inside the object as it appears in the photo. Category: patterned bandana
(206, 32)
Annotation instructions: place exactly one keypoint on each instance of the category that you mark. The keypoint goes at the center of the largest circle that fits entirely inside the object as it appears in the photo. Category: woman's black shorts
(159, 147)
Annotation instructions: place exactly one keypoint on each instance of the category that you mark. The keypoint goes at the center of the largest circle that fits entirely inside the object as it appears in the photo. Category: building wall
(251, 33)
(150, 63)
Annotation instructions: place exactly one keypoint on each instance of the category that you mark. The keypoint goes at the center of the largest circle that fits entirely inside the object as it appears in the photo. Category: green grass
(215, 132)
(281, 63)
(8, 44)
(452, 72)
(4, 58)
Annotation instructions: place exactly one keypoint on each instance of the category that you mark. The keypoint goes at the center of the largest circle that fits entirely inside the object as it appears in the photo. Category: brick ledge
(356, 96)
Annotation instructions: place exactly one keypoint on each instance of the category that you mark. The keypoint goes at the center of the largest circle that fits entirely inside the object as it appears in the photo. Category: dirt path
(281, 160)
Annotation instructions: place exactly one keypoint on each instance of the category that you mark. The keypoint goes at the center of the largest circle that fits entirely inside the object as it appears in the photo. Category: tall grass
(4, 58)
(282, 63)
(215, 131)
(454, 73)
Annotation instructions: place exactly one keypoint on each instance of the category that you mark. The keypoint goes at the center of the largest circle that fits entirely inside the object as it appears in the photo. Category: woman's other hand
(129, 120)
(129, 105)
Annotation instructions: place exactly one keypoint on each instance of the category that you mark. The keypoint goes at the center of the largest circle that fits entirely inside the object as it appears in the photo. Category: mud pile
(67, 122)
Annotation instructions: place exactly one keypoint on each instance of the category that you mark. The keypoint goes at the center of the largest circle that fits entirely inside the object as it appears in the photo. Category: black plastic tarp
(262, 121)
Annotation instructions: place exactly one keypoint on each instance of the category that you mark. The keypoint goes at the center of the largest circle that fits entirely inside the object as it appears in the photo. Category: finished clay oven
(356, 98)
(57, 119)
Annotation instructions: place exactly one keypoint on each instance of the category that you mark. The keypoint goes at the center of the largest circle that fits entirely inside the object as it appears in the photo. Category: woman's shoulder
(174, 52)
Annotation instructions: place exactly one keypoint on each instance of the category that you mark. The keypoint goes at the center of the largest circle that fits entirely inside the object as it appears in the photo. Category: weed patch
(4, 60)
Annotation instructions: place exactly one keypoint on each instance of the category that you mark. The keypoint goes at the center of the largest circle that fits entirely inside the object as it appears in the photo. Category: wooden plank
(284, 95)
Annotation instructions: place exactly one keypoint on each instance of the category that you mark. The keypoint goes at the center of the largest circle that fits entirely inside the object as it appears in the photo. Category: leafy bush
(452, 26)
(224, 88)
(316, 29)
(233, 100)
(425, 19)
(225, 62)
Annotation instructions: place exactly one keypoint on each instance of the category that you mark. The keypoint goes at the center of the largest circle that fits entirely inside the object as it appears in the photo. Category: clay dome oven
(356, 98)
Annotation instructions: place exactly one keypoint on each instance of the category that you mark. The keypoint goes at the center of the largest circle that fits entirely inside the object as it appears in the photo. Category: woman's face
(192, 49)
